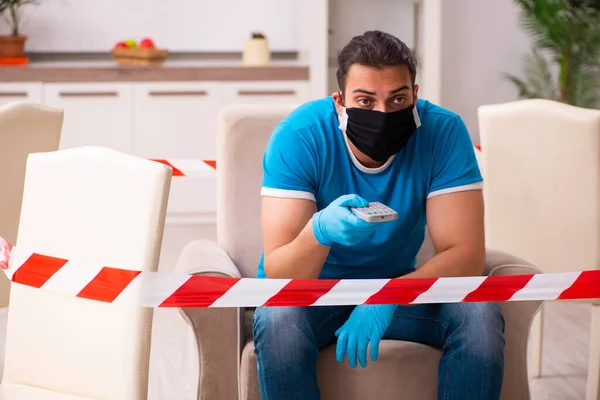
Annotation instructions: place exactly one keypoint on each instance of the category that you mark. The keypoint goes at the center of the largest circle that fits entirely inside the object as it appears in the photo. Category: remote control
(375, 212)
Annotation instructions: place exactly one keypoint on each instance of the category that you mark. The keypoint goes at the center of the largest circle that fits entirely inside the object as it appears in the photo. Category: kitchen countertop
(171, 70)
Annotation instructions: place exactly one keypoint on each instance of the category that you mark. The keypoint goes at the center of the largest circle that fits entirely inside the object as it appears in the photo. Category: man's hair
(374, 49)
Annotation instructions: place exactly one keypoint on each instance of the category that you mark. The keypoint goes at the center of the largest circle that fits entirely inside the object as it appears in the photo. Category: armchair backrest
(24, 128)
(244, 131)
(101, 207)
(541, 164)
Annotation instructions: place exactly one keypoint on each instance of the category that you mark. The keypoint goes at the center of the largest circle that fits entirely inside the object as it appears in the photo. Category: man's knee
(282, 328)
(478, 328)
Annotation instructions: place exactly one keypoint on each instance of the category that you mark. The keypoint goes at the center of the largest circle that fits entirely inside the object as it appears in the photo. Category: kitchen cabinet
(11, 92)
(166, 120)
(179, 120)
(96, 114)
(266, 93)
(176, 119)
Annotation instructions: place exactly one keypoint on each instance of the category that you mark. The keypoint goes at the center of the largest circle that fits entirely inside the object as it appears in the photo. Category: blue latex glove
(367, 323)
(337, 224)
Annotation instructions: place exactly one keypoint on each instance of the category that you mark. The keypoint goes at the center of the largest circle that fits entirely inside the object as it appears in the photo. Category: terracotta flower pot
(12, 46)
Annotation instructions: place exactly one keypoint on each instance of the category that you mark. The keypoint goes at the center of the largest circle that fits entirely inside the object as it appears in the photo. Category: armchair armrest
(216, 329)
(518, 317)
(498, 263)
(205, 257)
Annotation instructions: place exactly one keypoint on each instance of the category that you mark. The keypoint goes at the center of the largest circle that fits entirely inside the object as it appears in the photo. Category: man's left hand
(366, 324)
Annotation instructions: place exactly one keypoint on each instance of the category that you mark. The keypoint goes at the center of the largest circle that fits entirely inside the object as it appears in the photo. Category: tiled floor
(174, 369)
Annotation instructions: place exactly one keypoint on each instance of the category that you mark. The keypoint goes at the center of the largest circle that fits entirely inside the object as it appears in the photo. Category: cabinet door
(176, 119)
(96, 114)
(10, 92)
(294, 93)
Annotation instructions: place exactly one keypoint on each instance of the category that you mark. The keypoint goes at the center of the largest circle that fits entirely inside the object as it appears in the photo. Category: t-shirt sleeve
(289, 165)
(455, 166)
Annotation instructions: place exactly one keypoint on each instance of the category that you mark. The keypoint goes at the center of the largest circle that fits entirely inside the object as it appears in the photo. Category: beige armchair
(225, 346)
(541, 161)
(24, 128)
(91, 205)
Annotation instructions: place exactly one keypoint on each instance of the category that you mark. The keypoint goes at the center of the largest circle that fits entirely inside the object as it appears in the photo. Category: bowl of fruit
(129, 52)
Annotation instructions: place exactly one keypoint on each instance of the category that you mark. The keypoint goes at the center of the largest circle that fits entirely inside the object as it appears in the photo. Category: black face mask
(378, 134)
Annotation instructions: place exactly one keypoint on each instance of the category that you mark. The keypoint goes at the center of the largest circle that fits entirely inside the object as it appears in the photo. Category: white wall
(179, 25)
(348, 18)
(429, 72)
(311, 26)
(481, 41)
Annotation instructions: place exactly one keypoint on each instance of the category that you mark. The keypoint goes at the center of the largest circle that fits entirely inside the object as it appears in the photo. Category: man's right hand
(337, 224)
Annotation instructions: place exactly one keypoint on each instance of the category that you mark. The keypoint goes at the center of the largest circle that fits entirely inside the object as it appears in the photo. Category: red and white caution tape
(200, 168)
(151, 289)
(189, 167)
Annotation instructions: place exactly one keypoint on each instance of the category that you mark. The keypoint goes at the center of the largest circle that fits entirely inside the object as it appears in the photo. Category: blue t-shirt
(308, 157)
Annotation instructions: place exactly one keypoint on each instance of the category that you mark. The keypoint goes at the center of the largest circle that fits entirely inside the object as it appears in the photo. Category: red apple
(121, 45)
(147, 43)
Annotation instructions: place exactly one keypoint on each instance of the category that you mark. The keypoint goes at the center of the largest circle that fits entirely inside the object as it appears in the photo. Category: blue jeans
(287, 341)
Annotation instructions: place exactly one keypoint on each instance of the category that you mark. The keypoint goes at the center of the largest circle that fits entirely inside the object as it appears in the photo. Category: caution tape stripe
(189, 167)
(351, 291)
(586, 286)
(150, 289)
(451, 291)
(69, 279)
(546, 286)
(153, 289)
(201, 168)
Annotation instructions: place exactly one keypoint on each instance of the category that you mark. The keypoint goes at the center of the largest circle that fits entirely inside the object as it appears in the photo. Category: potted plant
(564, 64)
(13, 45)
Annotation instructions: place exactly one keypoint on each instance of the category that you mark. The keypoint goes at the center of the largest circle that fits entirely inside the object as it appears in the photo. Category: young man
(374, 140)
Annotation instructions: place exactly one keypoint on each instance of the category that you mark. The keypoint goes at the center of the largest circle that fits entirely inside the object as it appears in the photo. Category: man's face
(386, 90)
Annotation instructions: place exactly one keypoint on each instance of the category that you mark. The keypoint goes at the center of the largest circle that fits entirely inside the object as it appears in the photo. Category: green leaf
(565, 36)
(539, 33)
(522, 87)
(587, 93)
(538, 81)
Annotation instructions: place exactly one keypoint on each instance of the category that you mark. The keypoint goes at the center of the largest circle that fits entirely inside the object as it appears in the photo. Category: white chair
(541, 163)
(24, 128)
(94, 205)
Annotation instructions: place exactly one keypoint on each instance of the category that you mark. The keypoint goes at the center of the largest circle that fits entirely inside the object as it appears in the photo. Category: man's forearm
(455, 261)
(303, 258)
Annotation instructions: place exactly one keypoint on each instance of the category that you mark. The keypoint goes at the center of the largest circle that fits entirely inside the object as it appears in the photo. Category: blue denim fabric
(287, 341)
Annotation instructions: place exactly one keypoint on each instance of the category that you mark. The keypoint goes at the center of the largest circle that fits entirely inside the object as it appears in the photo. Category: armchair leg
(593, 378)
(536, 342)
